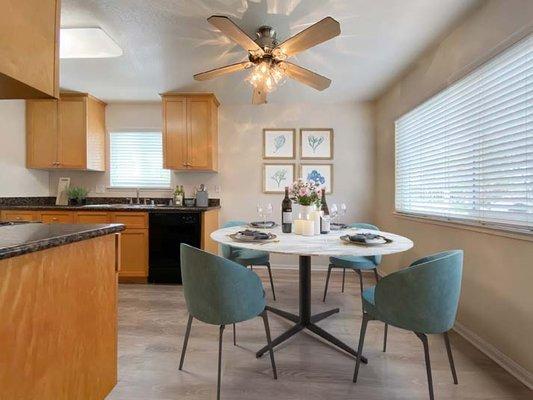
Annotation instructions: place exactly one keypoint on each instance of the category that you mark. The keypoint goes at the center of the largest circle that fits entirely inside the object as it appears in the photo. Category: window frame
(109, 185)
(523, 232)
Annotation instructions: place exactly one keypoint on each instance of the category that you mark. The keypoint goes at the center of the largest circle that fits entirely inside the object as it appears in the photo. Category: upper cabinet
(190, 131)
(29, 49)
(68, 133)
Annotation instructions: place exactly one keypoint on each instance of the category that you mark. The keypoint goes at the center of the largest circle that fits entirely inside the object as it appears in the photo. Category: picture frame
(316, 143)
(279, 143)
(322, 174)
(275, 181)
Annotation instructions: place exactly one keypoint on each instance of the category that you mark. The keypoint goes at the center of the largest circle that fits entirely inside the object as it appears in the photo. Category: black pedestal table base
(305, 320)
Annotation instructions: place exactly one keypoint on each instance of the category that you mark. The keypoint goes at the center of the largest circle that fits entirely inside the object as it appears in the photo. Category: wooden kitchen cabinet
(190, 131)
(57, 217)
(66, 134)
(29, 49)
(134, 255)
(16, 215)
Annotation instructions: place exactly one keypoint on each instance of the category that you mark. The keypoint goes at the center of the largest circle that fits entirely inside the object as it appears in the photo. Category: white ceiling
(165, 42)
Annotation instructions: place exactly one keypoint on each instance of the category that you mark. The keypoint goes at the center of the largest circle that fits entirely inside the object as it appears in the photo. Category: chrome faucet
(138, 196)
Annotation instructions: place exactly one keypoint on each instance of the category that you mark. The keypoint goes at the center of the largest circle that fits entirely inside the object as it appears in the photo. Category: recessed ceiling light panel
(87, 43)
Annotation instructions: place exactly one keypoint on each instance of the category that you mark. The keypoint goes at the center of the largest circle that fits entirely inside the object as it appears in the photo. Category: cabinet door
(175, 133)
(41, 133)
(134, 253)
(29, 49)
(199, 133)
(57, 218)
(73, 133)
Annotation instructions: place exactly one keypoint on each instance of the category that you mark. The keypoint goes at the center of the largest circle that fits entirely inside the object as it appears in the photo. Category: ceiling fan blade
(320, 32)
(231, 30)
(259, 96)
(305, 76)
(228, 69)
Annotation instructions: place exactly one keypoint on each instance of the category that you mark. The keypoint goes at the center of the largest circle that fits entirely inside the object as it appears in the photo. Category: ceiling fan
(268, 59)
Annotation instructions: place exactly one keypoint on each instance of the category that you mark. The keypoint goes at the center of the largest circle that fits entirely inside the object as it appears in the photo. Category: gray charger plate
(346, 239)
(244, 239)
(250, 225)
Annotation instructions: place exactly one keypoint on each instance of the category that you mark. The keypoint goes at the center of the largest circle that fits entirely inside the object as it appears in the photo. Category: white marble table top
(319, 245)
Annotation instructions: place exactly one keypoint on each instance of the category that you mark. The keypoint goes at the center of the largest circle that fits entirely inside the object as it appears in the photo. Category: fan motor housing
(266, 38)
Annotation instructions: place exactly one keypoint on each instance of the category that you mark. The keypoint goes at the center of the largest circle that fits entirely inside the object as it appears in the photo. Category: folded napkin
(255, 234)
(260, 224)
(365, 237)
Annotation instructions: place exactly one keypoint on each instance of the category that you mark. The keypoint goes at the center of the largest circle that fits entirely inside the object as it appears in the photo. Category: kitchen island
(58, 307)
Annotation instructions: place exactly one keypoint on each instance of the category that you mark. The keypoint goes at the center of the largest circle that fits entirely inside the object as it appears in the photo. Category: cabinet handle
(18, 218)
(54, 219)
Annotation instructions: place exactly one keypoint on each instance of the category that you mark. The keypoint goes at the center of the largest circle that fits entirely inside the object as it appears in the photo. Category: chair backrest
(423, 297)
(226, 248)
(219, 291)
(362, 225)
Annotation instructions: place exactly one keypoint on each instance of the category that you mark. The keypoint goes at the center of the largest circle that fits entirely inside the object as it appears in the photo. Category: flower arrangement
(304, 193)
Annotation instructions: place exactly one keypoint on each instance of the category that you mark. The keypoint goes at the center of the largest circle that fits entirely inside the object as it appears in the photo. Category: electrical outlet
(99, 189)
(217, 188)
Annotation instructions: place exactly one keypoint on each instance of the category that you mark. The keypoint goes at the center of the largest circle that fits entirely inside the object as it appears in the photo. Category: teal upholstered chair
(422, 298)
(220, 292)
(358, 264)
(247, 257)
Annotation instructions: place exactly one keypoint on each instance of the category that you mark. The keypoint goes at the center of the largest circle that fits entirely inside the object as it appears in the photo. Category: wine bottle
(325, 221)
(286, 213)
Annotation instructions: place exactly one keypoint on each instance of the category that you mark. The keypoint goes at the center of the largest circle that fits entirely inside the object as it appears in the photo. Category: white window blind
(136, 160)
(467, 153)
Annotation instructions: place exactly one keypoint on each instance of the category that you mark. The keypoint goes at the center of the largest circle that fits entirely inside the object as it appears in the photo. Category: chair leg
(269, 343)
(185, 341)
(234, 336)
(450, 357)
(358, 272)
(219, 359)
(343, 277)
(360, 347)
(424, 340)
(271, 281)
(385, 333)
(327, 282)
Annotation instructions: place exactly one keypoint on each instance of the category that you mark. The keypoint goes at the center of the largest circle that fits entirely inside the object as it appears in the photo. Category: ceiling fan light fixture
(266, 76)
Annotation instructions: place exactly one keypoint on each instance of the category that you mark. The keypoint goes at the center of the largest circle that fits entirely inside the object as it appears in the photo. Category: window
(467, 153)
(137, 160)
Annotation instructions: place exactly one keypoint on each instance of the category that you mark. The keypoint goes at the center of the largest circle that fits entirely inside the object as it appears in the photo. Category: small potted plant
(77, 196)
(306, 194)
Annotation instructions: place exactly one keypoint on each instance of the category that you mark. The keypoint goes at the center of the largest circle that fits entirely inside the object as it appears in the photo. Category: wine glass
(260, 210)
(268, 212)
(343, 209)
(333, 212)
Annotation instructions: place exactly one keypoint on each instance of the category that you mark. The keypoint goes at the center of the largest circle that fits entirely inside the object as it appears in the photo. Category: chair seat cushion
(369, 303)
(354, 262)
(249, 257)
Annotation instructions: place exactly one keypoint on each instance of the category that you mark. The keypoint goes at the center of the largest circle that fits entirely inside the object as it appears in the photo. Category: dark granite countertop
(16, 240)
(110, 207)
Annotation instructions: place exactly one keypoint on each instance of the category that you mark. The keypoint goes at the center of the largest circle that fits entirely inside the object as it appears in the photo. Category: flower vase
(305, 211)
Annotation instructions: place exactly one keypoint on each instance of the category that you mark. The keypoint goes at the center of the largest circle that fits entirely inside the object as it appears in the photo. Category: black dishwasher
(167, 231)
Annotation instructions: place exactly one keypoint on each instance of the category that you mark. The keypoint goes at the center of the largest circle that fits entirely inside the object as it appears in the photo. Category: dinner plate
(335, 226)
(346, 239)
(251, 239)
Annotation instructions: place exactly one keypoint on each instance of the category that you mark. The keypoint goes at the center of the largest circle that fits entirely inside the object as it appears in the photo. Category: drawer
(93, 218)
(59, 218)
(131, 219)
(18, 216)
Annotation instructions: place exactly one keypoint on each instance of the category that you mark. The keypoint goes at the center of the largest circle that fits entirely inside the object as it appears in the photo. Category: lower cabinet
(134, 239)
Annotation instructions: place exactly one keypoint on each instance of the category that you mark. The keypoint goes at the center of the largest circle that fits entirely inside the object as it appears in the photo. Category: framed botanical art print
(321, 174)
(276, 177)
(316, 143)
(279, 144)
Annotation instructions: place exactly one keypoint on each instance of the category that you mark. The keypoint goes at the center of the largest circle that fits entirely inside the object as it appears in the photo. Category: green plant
(78, 193)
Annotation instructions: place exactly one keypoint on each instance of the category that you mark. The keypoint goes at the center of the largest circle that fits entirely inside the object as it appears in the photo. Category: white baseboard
(516, 370)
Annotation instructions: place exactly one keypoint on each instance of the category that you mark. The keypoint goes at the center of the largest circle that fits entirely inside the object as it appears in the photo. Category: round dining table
(305, 247)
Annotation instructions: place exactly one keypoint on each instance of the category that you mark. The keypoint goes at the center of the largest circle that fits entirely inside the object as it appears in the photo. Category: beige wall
(497, 296)
(15, 179)
(240, 156)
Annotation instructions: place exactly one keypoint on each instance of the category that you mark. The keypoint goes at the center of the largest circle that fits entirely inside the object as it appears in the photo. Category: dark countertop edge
(56, 241)
(111, 208)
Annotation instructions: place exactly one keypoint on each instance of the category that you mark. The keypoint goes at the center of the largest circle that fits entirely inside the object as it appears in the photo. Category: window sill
(469, 226)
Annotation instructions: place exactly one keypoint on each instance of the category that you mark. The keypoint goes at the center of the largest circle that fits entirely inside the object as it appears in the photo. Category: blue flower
(314, 176)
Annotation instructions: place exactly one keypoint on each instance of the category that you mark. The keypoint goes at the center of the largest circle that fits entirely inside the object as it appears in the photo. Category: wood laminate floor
(152, 322)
